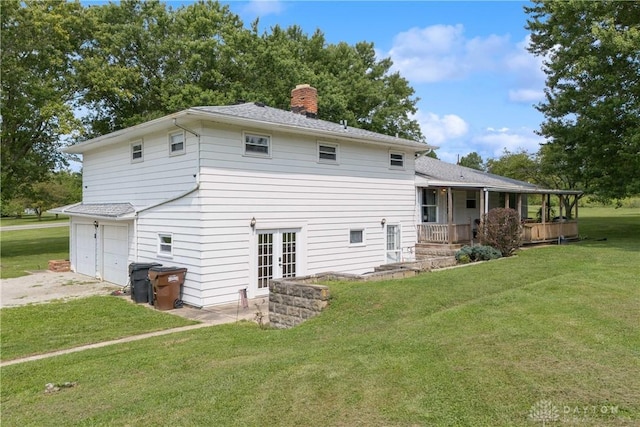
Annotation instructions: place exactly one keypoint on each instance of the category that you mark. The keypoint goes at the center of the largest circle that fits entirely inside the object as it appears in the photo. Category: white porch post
(450, 215)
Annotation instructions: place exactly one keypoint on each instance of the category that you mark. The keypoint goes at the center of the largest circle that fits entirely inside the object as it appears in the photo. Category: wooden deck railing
(532, 232)
(439, 233)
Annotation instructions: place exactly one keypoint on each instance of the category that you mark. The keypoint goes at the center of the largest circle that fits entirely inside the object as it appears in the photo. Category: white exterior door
(115, 252)
(277, 254)
(85, 249)
(394, 250)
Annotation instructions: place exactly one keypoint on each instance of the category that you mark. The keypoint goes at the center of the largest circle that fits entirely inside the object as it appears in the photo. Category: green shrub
(501, 229)
(468, 254)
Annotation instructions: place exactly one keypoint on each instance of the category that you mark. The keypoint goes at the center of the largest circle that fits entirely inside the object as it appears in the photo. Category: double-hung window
(257, 145)
(429, 205)
(176, 143)
(165, 244)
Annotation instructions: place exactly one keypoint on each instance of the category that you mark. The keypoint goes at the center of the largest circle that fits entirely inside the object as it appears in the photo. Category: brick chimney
(304, 100)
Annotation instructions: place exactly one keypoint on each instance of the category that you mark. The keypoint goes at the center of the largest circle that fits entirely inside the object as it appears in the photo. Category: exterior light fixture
(253, 222)
(383, 222)
(95, 224)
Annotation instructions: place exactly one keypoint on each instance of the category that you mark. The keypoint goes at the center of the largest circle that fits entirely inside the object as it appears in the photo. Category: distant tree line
(71, 72)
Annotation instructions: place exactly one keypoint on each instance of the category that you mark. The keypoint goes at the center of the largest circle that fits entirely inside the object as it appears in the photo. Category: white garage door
(85, 248)
(115, 252)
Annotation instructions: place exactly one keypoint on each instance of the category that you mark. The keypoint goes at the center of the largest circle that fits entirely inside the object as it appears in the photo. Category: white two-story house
(241, 194)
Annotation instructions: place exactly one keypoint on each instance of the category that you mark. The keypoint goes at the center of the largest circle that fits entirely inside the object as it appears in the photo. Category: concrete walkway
(45, 286)
(208, 316)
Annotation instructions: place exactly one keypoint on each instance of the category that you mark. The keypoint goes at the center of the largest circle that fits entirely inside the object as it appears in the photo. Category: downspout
(179, 196)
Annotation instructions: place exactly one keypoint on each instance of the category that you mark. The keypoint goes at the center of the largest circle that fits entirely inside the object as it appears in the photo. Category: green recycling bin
(167, 286)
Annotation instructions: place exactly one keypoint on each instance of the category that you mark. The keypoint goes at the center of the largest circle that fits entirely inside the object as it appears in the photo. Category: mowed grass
(42, 328)
(478, 345)
(28, 250)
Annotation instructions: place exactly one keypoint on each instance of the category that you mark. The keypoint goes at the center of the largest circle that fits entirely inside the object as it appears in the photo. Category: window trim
(133, 152)
(160, 252)
(362, 234)
(336, 152)
(391, 160)
(171, 143)
(266, 155)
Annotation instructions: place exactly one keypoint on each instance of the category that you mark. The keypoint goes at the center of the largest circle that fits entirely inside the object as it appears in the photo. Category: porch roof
(113, 211)
(436, 173)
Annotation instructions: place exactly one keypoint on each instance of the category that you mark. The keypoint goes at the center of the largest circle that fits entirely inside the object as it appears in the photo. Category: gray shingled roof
(107, 210)
(261, 113)
(439, 172)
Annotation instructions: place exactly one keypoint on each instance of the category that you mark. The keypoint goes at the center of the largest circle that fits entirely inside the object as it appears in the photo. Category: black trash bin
(139, 280)
(167, 286)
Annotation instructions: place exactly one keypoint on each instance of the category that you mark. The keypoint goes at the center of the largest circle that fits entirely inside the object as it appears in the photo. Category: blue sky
(466, 60)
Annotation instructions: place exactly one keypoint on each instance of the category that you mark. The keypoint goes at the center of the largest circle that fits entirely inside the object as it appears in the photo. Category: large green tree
(145, 60)
(592, 106)
(40, 43)
(472, 160)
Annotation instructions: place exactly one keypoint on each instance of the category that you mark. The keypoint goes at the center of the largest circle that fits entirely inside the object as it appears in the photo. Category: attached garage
(115, 253)
(84, 248)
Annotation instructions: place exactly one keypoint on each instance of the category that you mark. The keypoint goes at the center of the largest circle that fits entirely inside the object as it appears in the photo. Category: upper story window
(257, 145)
(396, 160)
(176, 143)
(136, 152)
(327, 153)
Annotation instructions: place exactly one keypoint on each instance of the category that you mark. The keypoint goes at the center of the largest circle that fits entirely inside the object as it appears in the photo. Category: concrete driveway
(45, 286)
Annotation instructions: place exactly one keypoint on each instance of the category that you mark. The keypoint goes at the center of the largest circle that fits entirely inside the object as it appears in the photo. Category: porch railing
(538, 232)
(439, 233)
(532, 232)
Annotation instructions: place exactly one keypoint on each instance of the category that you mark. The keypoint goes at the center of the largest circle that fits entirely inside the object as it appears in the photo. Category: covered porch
(450, 214)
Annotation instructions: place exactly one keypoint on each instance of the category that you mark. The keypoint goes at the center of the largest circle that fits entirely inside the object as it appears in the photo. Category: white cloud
(439, 129)
(441, 52)
(527, 75)
(264, 7)
(494, 142)
(526, 95)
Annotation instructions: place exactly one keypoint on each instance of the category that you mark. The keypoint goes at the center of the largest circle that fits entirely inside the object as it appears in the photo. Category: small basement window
(176, 143)
(396, 160)
(356, 236)
(165, 244)
(136, 152)
(257, 145)
(327, 153)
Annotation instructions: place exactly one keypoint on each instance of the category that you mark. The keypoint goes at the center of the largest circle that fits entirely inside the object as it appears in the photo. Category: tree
(592, 106)
(521, 166)
(144, 61)
(472, 160)
(40, 41)
(60, 188)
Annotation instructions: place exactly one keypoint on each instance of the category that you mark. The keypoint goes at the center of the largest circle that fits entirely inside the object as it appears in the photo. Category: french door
(394, 250)
(277, 256)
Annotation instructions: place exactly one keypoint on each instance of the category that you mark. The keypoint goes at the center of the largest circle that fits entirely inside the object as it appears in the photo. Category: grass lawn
(24, 250)
(33, 219)
(479, 345)
(41, 328)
